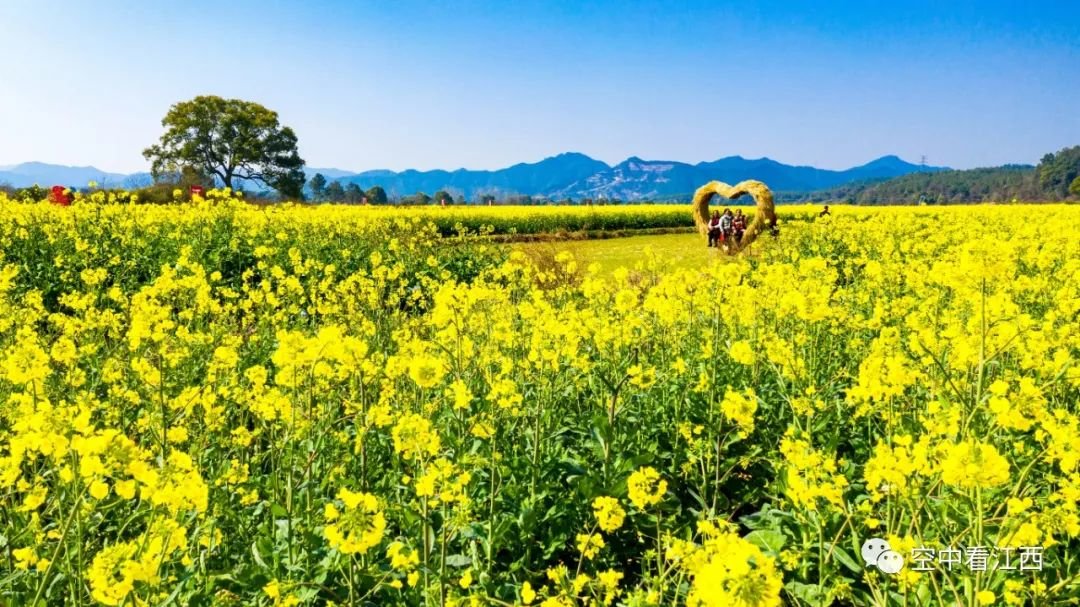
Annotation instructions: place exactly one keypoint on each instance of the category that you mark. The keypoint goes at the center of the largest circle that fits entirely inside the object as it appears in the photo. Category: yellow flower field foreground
(226, 405)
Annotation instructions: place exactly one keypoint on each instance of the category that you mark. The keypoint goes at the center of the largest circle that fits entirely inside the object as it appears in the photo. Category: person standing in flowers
(726, 222)
(714, 229)
(738, 225)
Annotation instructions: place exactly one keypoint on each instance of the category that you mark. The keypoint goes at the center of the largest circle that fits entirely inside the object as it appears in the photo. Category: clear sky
(428, 84)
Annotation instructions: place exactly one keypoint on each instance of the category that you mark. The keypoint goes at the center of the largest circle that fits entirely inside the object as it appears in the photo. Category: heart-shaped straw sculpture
(764, 218)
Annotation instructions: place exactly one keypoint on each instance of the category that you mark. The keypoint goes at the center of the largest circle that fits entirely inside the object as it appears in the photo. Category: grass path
(680, 250)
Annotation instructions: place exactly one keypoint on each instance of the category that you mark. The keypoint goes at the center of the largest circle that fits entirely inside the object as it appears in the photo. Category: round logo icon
(876, 552)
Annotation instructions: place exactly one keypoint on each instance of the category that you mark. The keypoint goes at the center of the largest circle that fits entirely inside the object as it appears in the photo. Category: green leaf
(255, 551)
(844, 558)
(458, 560)
(812, 594)
(769, 540)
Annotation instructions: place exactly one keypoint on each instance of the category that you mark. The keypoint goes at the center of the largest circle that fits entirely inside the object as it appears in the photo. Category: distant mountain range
(573, 175)
(45, 175)
(568, 175)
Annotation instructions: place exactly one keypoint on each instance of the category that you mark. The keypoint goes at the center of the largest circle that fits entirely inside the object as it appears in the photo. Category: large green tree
(231, 139)
(353, 193)
(376, 195)
(443, 197)
(318, 186)
(335, 192)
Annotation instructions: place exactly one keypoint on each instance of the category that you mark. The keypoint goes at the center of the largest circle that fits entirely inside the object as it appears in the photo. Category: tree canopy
(231, 139)
(1058, 171)
(335, 192)
(353, 193)
(318, 186)
(376, 195)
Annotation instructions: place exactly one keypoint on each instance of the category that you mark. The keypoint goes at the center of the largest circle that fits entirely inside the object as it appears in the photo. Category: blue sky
(432, 84)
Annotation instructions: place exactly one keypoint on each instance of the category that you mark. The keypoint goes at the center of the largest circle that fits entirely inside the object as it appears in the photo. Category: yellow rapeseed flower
(973, 464)
(357, 526)
(646, 487)
(609, 514)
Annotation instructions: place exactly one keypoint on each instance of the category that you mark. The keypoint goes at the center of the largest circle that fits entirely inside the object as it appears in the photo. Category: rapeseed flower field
(218, 404)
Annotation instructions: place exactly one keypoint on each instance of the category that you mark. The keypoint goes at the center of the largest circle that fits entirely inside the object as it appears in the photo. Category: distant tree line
(322, 189)
(350, 193)
(165, 188)
(975, 185)
(1057, 177)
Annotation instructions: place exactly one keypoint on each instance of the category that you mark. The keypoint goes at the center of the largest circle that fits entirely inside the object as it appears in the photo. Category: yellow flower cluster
(973, 464)
(810, 475)
(646, 487)
(117, 570)
(897, 469)
(358, 526)
(726, 570)
(609, 514)
(740, 408)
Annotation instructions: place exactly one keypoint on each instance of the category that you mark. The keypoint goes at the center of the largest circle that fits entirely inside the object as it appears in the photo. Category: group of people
(726, 227)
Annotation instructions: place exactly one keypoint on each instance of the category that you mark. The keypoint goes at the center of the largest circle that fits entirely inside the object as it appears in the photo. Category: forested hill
(974, 185)
(1057, 177)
